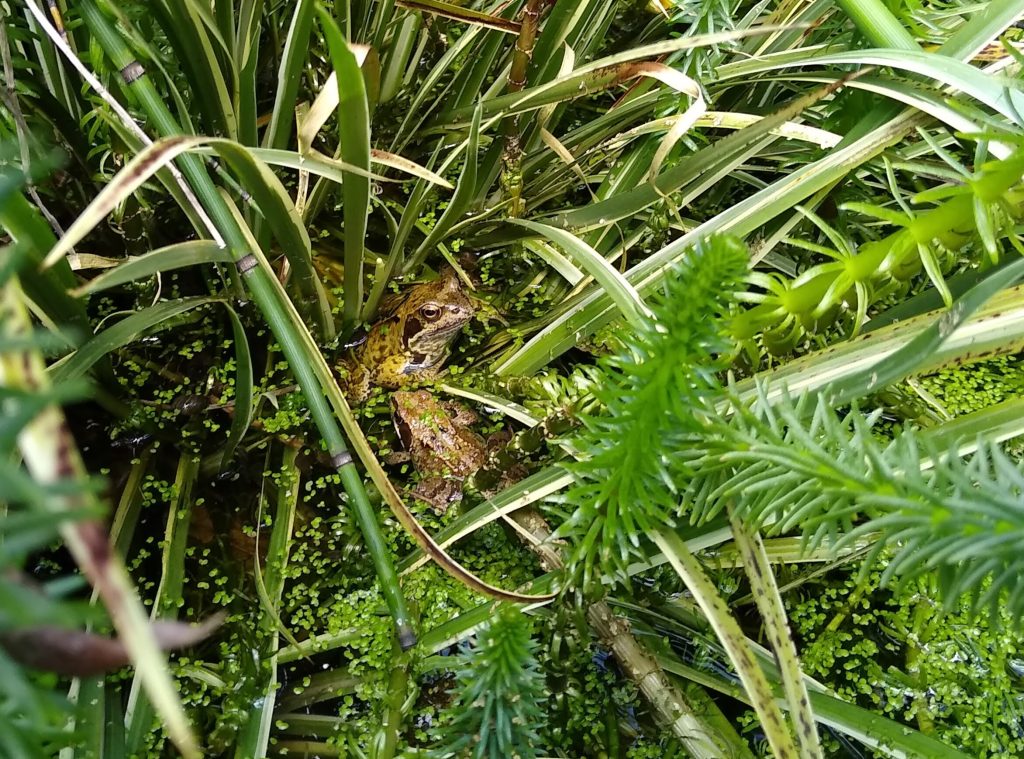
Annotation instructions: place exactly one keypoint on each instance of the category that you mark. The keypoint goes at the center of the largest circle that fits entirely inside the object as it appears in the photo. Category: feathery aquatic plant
(497, 714)
(626, 480)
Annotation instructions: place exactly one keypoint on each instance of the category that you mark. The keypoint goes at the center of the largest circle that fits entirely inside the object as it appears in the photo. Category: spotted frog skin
(443, 448)
(413, 341)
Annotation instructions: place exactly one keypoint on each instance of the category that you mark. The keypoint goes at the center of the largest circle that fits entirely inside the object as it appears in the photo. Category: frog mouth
(450, 329)
(439, 335)
(421, 361)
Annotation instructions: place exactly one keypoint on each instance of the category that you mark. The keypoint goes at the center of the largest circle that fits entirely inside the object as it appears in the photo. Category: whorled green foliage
(799, 465)
(983, 206)
(626, 480)
(497, 714)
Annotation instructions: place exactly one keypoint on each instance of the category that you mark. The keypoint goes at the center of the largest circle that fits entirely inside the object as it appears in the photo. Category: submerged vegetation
(533, 378)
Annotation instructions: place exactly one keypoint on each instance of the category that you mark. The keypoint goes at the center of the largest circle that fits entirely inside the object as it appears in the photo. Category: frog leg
(393, 371)
(438, 492)
(355, 381)
(460, 414)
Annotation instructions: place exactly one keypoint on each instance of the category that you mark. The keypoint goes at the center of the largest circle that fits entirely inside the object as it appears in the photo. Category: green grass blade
(427, 98)
(561, 20)
(254, 737)
(289, 75)
(264, 186)
(246, 59)
(732, 639)
(993, 425)
(888, 737)
(463, 15)
(960, 118)
(1001, 94)
(58, 84)
(981, 29)
(51, 457)
(124, 332)
(195, 52)
(593, 77)
(465, 191)
(722, 156)
(534, 488)
(135, 173)
(139, 713)
(284, 221)
(354, 133)
(398, 55)
(409, 167)
(765, 590)
(48, 289)
(595, 309)
(242, 416)
(178, 256)
(323, 166)
(619, 290)
(926, 344)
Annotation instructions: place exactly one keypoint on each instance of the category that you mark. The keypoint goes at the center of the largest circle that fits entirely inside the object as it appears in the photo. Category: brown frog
(413, 341)
(438, 439)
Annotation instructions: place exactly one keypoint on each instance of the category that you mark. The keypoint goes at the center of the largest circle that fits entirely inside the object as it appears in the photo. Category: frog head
(431, 317)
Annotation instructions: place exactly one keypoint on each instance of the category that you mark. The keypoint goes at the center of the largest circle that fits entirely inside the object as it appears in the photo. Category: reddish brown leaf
(77, 653)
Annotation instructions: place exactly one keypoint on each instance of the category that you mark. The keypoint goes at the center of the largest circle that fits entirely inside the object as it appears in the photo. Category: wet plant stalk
(285, 330)
(139, 712)
(669, 704)
(254, 737)
(512, 158)
(396, 704)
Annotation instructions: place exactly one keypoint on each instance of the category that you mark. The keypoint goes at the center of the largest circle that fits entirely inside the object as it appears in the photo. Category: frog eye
(430, 312)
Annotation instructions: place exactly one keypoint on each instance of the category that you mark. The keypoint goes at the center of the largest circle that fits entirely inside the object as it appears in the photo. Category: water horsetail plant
(497, 713)
(652, 393)
(657, 393)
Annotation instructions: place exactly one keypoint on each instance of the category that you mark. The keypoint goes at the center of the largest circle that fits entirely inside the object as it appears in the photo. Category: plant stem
(878, 24)
(139, 712)
(669, 704)
(512, 158)
(254, 736)
(284, 328)
(394, 706)
(664, 698)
